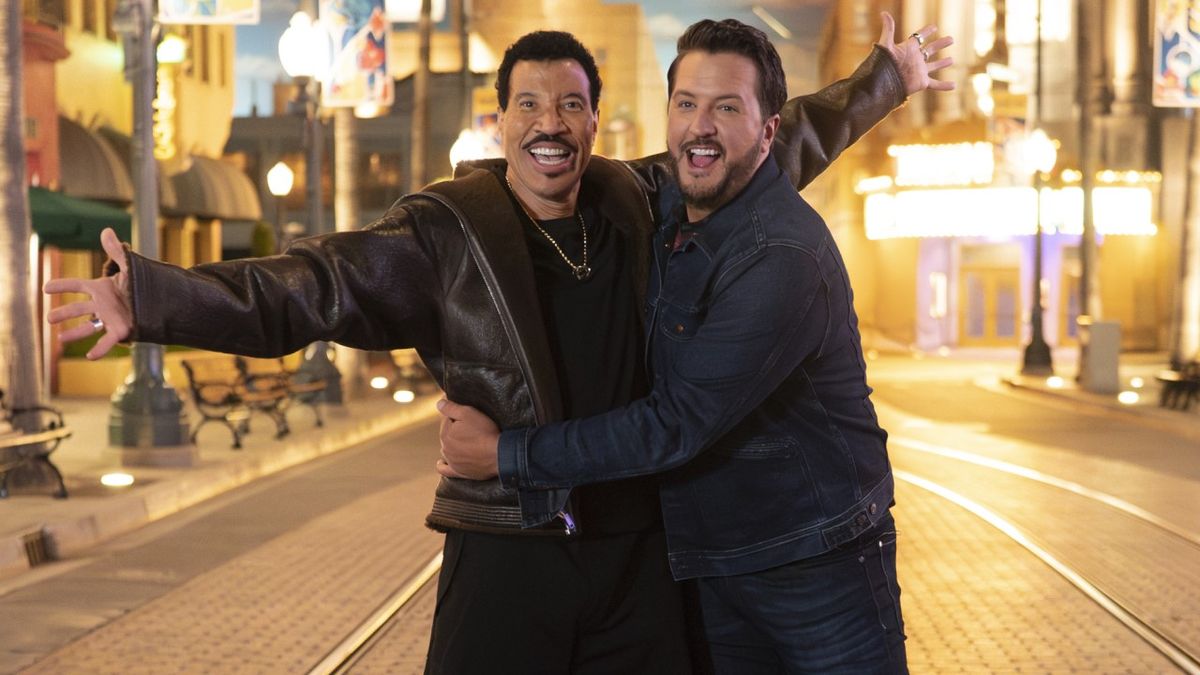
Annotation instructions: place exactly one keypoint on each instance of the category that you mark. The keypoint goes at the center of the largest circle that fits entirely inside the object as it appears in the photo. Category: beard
(738, 172)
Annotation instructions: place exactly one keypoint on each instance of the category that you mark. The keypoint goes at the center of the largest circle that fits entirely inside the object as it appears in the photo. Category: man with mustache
(497, 278)
(778, 493)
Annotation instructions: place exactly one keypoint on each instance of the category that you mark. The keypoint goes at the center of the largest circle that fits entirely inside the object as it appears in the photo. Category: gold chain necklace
(582, 271)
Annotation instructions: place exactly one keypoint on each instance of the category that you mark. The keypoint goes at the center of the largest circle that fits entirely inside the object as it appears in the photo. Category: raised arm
(815, 129)
(372, 289)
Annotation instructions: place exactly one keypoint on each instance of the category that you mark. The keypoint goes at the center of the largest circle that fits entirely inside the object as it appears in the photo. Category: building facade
(937, 210)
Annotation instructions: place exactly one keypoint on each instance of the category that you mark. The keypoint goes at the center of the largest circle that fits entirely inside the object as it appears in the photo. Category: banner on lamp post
(1177, 53)
(359, 74)
(208, 11)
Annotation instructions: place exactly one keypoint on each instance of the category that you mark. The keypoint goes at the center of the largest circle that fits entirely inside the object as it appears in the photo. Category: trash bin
(1100, 348)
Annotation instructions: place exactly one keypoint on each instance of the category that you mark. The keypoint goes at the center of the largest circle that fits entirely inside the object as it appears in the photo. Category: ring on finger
(97, 323)
(924, 53)
(920, 40)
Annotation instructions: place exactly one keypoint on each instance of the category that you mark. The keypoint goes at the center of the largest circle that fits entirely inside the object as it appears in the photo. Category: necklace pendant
(582, 272)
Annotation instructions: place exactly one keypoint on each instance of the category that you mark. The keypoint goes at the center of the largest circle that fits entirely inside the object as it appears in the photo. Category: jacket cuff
(511, 456)
(883, 62)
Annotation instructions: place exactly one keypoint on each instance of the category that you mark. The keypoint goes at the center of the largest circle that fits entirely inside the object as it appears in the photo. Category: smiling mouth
(702, 156)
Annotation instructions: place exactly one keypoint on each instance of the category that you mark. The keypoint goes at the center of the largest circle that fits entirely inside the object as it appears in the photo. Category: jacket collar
(712, 232)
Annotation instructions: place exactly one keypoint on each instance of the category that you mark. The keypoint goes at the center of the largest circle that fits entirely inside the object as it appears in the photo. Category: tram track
(1170, 646)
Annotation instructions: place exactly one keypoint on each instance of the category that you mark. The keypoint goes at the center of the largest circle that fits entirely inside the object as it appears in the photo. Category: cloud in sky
(258, 67)
(665, 27)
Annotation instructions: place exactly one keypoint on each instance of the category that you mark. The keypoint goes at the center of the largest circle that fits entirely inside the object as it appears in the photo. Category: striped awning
(211, 188)
(89, 167)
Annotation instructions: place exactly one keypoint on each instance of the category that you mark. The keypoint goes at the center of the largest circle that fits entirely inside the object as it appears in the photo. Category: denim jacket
(760, 412)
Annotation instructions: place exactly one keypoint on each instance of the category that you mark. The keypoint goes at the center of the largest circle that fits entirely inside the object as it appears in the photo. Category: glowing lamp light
(1055, 382)
(116, 480)
(404, 396)
(1128, 397)
(280, 179)
(304, 48)
(1137, 382)
(379, 383)
(466, 148)
(172, 49)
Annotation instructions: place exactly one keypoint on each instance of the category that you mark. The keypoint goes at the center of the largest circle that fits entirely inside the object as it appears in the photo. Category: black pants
(527, 604)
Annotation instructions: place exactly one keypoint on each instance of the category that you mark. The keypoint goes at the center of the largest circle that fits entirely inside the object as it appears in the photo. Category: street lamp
(1040, 155)
(279, 182)
(305, 52)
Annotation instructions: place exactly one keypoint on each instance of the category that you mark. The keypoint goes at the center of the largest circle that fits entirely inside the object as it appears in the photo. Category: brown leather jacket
(446, 271)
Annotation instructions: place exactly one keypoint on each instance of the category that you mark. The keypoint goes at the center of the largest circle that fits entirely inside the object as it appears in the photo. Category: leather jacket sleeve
(371, 289)
(814, 129)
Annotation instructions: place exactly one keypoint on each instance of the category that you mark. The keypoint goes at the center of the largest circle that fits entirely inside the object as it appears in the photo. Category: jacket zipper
(568, 521)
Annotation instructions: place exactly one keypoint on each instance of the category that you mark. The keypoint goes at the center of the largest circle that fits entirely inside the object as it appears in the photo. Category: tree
(18, 345)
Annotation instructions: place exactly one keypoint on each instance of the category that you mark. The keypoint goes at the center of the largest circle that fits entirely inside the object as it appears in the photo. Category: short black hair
(734, 37)
(547, 45)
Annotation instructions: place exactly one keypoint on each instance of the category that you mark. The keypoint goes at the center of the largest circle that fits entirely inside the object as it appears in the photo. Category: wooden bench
(1180, 388)
(221, 393)
(273, 374)
(20, 448)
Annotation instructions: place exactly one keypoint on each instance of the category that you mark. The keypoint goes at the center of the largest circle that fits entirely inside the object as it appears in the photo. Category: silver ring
(920, 40)
(924, 53)
(97, 323)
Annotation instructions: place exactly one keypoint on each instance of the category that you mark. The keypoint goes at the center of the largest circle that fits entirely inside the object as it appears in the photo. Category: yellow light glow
(948, 164)
(1021, 21)
(1128, 397)
(1006, 212)
(873, 184)
(943, 351)
(116, 480)
(1071, 176)
(403, 396)
(379, 382)
(1055, 382)
(1137, 382)
(872, 354)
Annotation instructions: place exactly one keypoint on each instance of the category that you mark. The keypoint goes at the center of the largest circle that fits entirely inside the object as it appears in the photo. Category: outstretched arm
(107, 306)
(815, 129)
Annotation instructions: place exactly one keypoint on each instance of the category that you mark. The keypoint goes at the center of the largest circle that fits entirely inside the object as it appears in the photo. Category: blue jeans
(836, 613)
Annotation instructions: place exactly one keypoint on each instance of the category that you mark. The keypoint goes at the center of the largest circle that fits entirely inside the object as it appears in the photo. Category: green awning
(70, 222)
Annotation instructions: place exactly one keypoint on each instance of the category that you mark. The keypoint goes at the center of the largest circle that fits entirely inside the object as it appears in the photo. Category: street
(1036, 534)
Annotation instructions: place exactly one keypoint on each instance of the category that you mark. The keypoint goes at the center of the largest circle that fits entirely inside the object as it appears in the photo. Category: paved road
(269, 578)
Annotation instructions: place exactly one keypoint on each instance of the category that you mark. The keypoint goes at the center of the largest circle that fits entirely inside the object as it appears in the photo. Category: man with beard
(778, 492)
(488, 276)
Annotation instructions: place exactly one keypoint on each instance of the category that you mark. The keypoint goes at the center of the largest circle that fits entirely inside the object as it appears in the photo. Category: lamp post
(279, 182)
(1041, 156)
(304, 53)
(146, 411)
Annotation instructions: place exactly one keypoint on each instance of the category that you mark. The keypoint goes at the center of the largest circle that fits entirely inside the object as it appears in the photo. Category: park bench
(19, 447)
(220, 394)
(1180, 388)
(273, 374)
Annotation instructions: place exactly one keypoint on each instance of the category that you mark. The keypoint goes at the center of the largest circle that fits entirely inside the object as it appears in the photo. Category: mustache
(547, 138)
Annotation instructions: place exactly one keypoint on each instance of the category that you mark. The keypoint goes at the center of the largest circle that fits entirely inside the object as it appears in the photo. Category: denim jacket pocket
(678, 323)
(759, 447)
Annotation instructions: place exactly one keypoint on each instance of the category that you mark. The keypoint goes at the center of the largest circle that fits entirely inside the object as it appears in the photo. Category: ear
(770, 128)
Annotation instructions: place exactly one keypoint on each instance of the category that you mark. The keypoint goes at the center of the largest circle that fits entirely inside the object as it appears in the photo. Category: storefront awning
(90, 168)
(67, 222)
(122, 144)
(211, 188)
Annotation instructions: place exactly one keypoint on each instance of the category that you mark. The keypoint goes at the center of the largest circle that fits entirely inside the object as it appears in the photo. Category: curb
(122, 513)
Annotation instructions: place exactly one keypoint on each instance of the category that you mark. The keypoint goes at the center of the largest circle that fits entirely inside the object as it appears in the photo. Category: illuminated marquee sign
(944, 165)
(1006, 212)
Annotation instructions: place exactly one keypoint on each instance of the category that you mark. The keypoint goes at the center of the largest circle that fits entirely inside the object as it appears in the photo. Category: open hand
(916, 56)
(107, 306)
(469, 442)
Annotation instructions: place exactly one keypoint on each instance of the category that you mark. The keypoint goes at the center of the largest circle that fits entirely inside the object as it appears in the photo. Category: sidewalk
(35, 524)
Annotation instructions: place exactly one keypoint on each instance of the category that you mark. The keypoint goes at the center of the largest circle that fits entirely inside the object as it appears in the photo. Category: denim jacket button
(678, 328)
(861, 520)
(873, 508)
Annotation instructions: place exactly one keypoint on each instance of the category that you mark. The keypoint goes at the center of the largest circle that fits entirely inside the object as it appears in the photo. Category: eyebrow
(722, 97)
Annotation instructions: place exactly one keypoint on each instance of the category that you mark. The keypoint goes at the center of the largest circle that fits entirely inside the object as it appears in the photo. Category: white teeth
(549, 152)
(710, 152)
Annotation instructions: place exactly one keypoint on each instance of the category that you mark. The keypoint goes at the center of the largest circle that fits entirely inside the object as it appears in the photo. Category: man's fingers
(70, 311)
(938, 44)
(461, 413)
(887, 33)
(77, 332)
(102, 346)
(112, 246)
(941, 85)
(446, 470)
(939, 64)
(66, 286)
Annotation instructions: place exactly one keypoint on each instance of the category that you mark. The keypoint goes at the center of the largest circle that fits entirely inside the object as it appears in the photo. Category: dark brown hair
(734, 37)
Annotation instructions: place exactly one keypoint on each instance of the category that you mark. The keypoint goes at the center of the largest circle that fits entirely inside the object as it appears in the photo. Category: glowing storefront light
(1006, 212)
(1021, 21)
(950, 164)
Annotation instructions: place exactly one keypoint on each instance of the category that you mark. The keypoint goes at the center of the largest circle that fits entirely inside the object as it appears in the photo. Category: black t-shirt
(595, 341)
